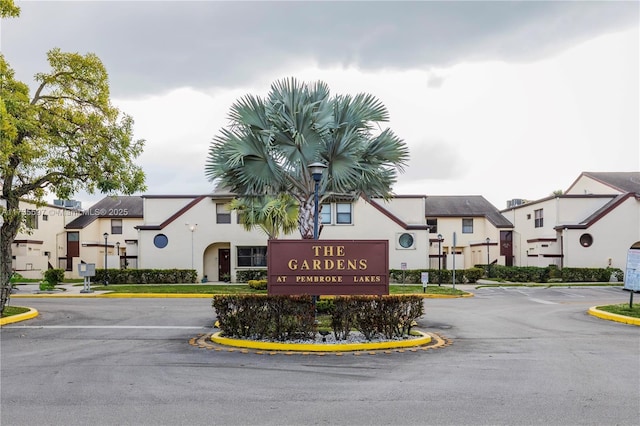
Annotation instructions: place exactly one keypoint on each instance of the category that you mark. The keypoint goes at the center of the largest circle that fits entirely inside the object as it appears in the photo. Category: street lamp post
(316, 170)
(118, 253)
(192, 228)
(106, 274)
(488, 240)
(439, 259)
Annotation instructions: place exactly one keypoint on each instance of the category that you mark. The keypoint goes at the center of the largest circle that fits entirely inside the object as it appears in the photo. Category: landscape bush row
(146, 276)
(281, 318)
(508, 273)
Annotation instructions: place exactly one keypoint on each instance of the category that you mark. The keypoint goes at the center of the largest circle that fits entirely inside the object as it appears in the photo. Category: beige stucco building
(200, 232)
(35, 248)
(592, 224)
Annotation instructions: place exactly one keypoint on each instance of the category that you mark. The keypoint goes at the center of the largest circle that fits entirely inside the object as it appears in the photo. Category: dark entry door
(224, 263)
(506, 247)
(73, 248)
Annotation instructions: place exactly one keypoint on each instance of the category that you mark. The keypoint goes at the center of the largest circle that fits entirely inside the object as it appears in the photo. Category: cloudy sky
(500, 99)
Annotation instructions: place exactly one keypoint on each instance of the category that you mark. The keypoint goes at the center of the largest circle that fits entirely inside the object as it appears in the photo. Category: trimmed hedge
(522, 274)
(146, 276)
(293, 317)
(246, 275)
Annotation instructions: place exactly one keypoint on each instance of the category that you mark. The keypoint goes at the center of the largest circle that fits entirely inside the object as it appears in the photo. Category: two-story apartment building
(104, 234)
(200, 232)
(35, 248)
(592, 224)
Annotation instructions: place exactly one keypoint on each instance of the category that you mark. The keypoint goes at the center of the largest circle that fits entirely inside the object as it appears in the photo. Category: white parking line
(143, 327)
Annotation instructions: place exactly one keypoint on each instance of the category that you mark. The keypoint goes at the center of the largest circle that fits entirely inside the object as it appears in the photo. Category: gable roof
(465, 206)
(117, 207)
(622, 181)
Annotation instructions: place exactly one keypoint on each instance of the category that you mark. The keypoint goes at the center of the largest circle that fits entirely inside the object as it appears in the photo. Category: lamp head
(105, 235)
(316, 170)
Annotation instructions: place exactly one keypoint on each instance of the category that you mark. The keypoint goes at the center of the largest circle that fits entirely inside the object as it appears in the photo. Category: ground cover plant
(13, 310)
(622, 309)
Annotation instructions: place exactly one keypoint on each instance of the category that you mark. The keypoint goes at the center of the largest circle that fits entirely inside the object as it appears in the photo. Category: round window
(160, 241)
(586, 240)
(405, 240)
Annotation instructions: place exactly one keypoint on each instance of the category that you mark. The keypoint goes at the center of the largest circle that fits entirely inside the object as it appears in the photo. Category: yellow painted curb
(195, 295)
(613, 317)
(320, 347)
(31, 313)
(156, 295)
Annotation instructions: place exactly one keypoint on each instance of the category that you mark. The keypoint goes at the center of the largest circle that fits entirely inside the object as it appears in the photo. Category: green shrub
(293, 317)
(258, 284)
(245, 275)
(54, 276)
(474, 274)
(146, 276)
(46, 285)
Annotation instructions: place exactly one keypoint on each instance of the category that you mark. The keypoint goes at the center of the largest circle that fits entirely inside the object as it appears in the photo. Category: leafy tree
(270, 142)
(65, 138)
(271, 214)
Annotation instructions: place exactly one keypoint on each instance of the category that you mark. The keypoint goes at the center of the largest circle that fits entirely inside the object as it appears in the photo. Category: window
(539, 220)
(31, 219)
(406, 240)
(343, 213)
(160, 241)
(116, 226)
(467, 226)
(223, 215)
(433, 226)
(252, 256)
(586, 240)
(325, 213)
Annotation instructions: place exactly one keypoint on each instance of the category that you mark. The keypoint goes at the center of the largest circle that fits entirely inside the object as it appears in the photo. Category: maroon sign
(328, 267)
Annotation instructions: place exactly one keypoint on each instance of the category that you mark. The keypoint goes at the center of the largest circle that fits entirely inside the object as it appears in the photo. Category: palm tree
(270, 142)
(271, 214)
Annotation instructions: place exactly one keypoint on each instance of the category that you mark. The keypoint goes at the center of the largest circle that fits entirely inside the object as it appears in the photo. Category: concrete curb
(613, 317)
(31, 313)
(320, 347)
(193, 295)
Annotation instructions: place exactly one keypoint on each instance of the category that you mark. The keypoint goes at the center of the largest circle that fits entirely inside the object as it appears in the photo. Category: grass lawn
(243, 288)
(13, 310)
(622, 309)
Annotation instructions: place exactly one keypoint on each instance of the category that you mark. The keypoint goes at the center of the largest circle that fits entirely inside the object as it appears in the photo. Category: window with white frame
(539, 218)
(116, 226)
(325, 213)
(343, 213)
(252, 256)
(467, 226)
(223, 214)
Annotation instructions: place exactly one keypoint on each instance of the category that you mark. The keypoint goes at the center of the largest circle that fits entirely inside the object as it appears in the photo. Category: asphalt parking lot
(519, 356)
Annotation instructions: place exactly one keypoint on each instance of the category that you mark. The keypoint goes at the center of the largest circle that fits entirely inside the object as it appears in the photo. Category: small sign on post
(632, 274)
(424, 277)
(87, 270)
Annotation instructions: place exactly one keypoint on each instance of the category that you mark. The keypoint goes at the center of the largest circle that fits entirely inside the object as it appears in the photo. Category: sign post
(632, 274)
(424, 277)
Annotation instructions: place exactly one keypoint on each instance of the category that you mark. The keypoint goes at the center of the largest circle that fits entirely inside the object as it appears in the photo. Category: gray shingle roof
(622, 181)
(464, 206)
(110, 207)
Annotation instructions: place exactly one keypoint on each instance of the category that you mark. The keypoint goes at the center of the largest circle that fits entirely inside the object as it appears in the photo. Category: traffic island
(421, 343)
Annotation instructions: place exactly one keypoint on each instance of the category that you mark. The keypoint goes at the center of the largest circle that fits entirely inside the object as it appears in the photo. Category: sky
(500, 99)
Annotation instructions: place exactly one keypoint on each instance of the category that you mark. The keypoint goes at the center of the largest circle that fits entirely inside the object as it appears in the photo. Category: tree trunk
(305, 218)
(8, 232)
